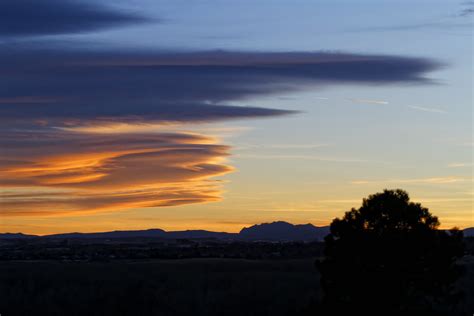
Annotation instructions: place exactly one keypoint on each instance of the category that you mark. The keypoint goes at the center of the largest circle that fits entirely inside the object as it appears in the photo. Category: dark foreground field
(159, 287)
(169, 287)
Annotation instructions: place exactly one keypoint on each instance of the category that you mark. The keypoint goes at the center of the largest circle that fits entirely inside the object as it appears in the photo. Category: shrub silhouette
(389, 258)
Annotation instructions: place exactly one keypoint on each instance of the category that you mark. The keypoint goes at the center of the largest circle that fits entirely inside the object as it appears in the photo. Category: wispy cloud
(426, 109)
(159, 127)
(442, 25)
(281, 146)
(460, 164)
(433, 180)
(306, 157)
(297, 146)
(368, 101)
(447, 22)
(295, 98)
(468, 10)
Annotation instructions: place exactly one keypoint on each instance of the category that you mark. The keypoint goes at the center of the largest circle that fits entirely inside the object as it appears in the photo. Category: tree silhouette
(389, 258)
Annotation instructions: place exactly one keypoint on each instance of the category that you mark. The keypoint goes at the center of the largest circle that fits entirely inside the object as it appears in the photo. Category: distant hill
(149, 233)
(284, 231)
(469, 232)
(16, 236)
(196, 234)
(276, 231)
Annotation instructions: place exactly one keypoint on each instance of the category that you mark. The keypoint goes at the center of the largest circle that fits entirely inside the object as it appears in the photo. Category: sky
(137, 114)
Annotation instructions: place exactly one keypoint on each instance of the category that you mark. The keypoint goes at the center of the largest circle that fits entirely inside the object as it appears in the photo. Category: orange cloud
(94, 173)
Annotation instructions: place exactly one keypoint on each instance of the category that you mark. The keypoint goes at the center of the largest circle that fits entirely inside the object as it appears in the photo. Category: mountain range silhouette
(275, 231)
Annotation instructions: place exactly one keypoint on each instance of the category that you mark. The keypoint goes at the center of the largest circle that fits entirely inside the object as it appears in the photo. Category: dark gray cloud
(51, 17)
(78, 86)
(468, 10)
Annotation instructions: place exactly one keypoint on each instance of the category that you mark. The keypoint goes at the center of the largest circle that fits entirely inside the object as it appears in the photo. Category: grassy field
(159, 287)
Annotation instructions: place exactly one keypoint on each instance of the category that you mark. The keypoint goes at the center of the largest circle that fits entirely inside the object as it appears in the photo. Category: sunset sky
(137, 114)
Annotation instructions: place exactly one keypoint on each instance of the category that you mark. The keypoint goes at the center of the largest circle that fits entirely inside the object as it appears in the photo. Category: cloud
(22, 18)
(89, 87)
(254, 147)
(448, 22)
(293, 146)
(433, 180)
(305, 157)
(460, 164)
(89, 131)
(56, 173)
(369, 101)
(425, 109)
(438, 25)
(468, 10)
